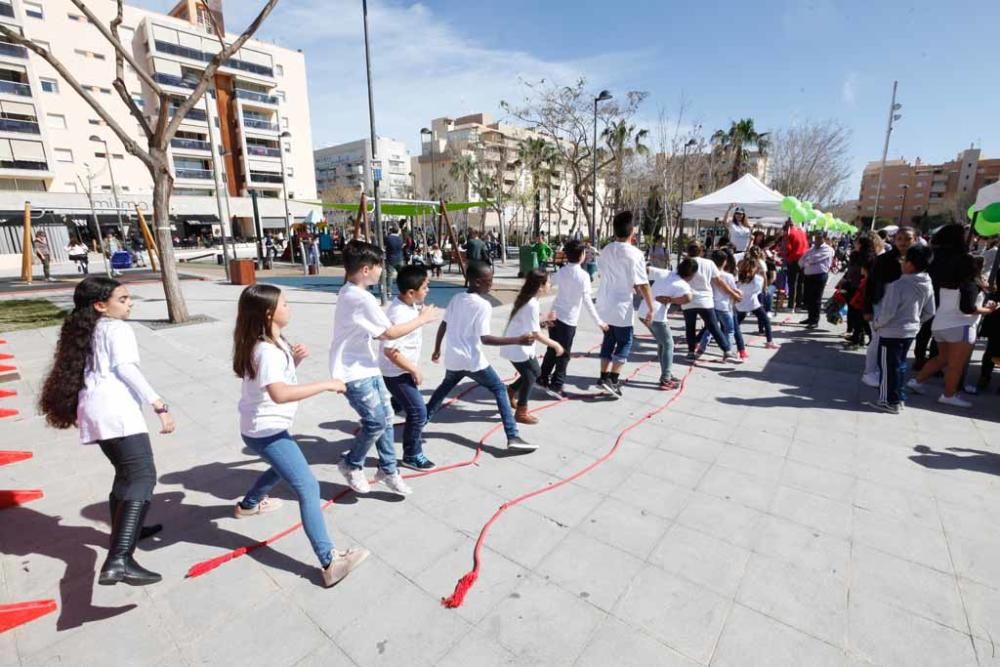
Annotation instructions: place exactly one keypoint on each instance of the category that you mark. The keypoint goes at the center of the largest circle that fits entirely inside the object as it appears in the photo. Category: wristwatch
(162, 411)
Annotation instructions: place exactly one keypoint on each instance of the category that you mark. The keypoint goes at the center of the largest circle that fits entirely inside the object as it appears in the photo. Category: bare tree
(158, 129)
(811, 161)
(564, 115)
(490, 184)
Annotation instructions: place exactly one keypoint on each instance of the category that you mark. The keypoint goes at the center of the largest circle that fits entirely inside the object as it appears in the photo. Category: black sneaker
(617, 387)
(806, 322)
(417, 463)
(882, 406)
(517, 443)
(542, 382)
(691, 356)
(608, 387)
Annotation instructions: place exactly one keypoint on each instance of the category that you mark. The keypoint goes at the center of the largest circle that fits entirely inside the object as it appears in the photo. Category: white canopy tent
(988, 195)
(758, 200)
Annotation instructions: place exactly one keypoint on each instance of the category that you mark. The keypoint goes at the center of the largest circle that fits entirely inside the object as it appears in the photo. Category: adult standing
(795, 245)
(40, 248)
(949, 247)
(657, 254)
(816, 271)
(887, 268)
(739, 232)
(394, 253)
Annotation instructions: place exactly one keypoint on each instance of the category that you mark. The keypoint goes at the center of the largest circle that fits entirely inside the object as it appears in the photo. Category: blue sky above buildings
(779, 62)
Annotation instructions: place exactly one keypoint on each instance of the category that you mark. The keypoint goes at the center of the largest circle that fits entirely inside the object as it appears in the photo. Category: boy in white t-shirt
(725, 294)
(400, 363)
(668, 288)
(465, 329)
(357, 323)
(702, 303)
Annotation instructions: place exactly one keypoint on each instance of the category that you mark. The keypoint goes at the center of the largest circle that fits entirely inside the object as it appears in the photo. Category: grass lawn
(29, 314)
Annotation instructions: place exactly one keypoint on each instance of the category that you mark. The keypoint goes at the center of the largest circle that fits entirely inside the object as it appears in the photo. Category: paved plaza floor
(765, 517)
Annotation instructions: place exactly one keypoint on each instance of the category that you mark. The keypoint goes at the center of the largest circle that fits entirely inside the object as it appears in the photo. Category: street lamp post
(893, 116)
(284, 189)
(376, 172)
(93, 213)
(605, 95)
(430, 190)
(114, 187)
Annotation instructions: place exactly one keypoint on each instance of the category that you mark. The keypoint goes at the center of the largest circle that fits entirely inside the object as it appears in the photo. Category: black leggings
(135, 472)
(528, 372)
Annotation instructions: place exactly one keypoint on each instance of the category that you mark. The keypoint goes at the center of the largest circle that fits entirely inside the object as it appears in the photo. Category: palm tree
(463, 170)
(736, 143)
(541, 159)
(624, 141)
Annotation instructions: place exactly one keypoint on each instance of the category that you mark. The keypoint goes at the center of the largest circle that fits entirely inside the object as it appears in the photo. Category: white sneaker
(954, 401)
(915, 386)
(394, 482)
(971, 389)
(870, 379)
(355, 478)
(342, 564)
(266, 504)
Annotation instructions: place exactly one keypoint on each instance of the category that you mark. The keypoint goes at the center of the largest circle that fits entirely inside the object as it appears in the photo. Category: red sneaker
(744, 354)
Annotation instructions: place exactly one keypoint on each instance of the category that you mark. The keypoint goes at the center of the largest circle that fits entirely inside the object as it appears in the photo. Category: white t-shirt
(409, 345)
(739, 236)
(357, 321)
(622, 267)
(751, 294)
(701, 285)
(260, 416)
(107, 406)
(468, 319)
(721, 297)
(524, 322)
(665, 283)
(574, 293)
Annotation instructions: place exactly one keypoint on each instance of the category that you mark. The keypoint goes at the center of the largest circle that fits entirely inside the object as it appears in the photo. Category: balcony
(263, 150)
(191, 144)
(15, 88)
(24, 164)
(193, 114)
(171, 80)
(201, 174)
(262, 177)
(25, 126)
(195, 54)
(8, 49)
(255, 124)
(6, 10)
(254, 96)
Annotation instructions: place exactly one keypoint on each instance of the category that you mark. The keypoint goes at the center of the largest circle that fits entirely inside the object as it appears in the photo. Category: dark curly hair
(60, 393)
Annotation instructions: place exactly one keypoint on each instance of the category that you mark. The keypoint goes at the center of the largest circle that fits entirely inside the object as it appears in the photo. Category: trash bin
(218, 260)
(241, 272)
(527, 261)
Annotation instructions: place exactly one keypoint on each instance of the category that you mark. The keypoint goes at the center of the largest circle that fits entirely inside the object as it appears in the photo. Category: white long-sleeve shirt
(574, 293)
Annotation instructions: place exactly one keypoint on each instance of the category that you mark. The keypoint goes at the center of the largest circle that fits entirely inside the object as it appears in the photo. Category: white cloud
(848, 91)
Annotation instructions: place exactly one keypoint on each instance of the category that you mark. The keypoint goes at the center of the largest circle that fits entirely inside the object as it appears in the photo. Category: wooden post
(362, 215)
(151, 248)
(27, 246)
(454, 239)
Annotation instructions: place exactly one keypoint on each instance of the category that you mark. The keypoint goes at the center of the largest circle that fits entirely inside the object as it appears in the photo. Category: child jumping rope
(525, 320)
(96, 384)
(269, 399)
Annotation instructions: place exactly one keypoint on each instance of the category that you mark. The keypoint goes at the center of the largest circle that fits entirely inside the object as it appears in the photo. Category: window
(42, 43)
(75, 17)
(50, 85)
(279, 70)
(63, 155)
(284, 122)
(280, 94)
(57, 121)
(95, 121)
(100, 155)
(105, 188)
(117, 156)
(291, 171)
(34, 10)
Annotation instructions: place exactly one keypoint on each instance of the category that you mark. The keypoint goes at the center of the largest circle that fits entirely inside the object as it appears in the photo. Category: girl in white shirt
(724, 294)
(750, 283)
(269, 397)
(95, 384)
(524, 320)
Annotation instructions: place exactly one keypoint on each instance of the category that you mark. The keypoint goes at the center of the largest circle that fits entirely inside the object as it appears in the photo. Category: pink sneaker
(771, 345)
(744, 354)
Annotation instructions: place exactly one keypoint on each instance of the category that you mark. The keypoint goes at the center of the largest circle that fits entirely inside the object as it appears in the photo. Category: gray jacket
(907, 303)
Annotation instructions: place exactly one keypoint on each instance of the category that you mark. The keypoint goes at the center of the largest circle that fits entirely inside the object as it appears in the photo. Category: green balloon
(972, 212)
(991, 213)
(986, 228)
(788, 204)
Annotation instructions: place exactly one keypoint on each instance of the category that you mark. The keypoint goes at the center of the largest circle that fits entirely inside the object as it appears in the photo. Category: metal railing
(171, 80)
(205, 174)
(191, 144)
(254, 96)
(6, 10)
(15, 88)
(193, 114)
(195, 54)
(261, 177)
(260, 124)
(266, 151)
(26, 126)
(24, 164)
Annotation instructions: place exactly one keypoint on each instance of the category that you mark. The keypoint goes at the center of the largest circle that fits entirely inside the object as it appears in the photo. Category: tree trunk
(177, 310)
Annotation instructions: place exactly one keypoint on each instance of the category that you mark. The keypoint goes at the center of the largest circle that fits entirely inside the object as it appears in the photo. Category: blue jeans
(763, 322)
(405, 391)
(664, 349)
(708, 315)
(726, 328)
(487, 378)
(287, 463)
(373, 403)
(617, 344)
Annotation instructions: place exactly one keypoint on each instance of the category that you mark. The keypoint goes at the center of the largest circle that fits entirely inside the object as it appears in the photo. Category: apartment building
(250, 133)
(912, 191)
(494, 147)
(350, 166)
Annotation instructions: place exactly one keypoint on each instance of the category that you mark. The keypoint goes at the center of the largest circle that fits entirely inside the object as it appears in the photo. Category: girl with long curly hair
(95, 384)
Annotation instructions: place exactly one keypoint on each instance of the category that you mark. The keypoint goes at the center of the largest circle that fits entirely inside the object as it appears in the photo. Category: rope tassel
(461, 588)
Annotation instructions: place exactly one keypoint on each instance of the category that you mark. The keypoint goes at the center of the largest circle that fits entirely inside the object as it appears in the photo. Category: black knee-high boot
(120, 565)
(146, 531)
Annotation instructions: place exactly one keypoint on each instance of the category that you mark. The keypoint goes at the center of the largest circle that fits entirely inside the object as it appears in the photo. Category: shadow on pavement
(978, 461)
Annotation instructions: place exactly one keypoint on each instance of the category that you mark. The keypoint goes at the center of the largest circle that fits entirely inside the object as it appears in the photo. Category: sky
(780, 62)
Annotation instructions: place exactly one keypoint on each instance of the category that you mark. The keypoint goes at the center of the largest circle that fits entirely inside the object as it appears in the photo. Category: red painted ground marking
(4, 368)
(13, 615)
(19, 497)
(7, 393)
(6, 458)
(6, 357)
(8, 412)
